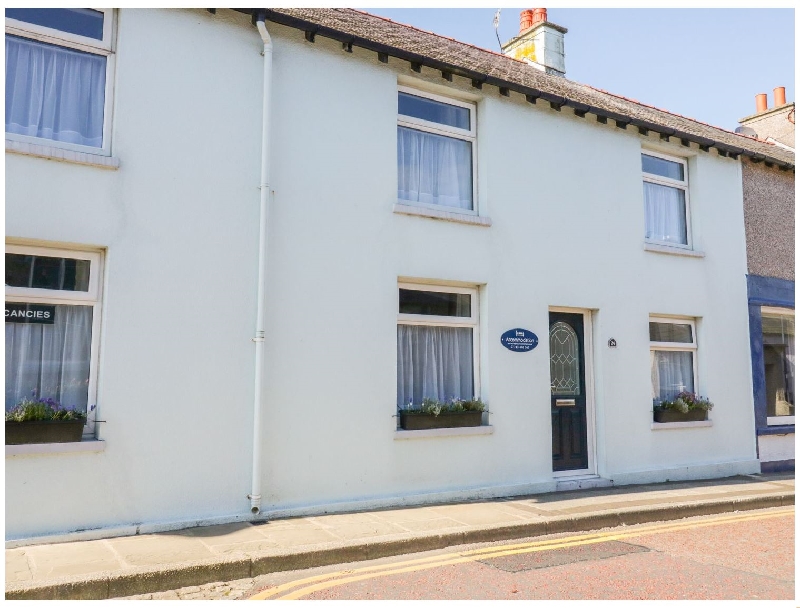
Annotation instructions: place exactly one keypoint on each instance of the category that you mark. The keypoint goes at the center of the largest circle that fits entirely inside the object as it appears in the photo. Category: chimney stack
(775, 124)
(761, 103)
(780, 96)
(539, 42)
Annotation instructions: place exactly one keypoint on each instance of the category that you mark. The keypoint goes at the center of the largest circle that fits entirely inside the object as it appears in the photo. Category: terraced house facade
(768, 194)
(267, 235)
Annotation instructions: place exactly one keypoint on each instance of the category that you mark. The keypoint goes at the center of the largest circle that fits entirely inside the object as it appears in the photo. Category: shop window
(777, 330)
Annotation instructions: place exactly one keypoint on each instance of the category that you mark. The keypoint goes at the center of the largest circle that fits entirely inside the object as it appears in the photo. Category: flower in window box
(685, 407)
(434, 414)
(37, 420)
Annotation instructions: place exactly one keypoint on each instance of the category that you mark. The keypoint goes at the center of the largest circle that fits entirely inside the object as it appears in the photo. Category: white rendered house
(415, 208)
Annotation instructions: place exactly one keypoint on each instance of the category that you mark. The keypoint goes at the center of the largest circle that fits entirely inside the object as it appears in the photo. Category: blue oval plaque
(519, 340)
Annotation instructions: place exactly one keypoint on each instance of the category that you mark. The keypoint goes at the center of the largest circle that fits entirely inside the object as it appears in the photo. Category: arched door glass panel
(565, 360)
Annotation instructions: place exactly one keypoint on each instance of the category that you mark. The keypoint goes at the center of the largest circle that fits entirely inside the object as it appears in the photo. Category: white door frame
(588, 354)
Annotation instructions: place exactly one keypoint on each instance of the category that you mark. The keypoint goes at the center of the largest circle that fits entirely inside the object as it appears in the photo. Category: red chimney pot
(525, 20)
(761, 102)
(780, 96)
(539, 15)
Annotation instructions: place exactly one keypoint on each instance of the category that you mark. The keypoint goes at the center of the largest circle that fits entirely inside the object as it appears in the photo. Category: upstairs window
(58, 66)
(666, 210)
(435, 151)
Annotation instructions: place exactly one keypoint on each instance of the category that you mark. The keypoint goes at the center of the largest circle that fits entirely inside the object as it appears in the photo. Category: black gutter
(312, 29)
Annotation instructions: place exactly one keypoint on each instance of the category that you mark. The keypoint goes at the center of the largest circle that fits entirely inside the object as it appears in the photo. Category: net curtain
(50, 360)
(672, 372)
(54, 92)
(665, 214)
(434, 169)
(433, 362)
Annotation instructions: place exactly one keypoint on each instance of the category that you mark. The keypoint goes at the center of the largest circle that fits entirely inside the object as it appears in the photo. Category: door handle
(565, 402)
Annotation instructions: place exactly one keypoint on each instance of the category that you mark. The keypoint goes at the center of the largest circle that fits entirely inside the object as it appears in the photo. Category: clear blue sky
(707, 64)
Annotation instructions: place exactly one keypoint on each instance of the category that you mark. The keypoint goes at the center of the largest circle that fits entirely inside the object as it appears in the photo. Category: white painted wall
(773, 448)
(179, 221)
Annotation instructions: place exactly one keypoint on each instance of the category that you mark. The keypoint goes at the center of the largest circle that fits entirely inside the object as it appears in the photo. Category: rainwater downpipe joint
(258, 340)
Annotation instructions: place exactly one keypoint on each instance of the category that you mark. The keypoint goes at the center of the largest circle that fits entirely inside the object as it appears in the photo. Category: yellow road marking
(319, 582)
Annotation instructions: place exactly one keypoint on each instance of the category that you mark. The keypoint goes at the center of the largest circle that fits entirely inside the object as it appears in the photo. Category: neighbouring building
(769, 225)
(263, 233)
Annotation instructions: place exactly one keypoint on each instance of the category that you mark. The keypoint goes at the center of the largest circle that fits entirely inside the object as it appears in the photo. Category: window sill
(27, 449)
(60, 154)
(448, 216)
(779, 420)
(689, 253)
(661, 426)
(487, 429)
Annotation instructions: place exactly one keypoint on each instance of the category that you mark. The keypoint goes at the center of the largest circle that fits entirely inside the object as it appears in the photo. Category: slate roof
(389, 38)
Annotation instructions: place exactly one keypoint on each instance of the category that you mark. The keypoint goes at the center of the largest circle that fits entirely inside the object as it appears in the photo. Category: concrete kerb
(139, 581)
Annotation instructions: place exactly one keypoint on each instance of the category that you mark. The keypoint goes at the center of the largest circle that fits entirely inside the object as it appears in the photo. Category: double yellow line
(312, 584)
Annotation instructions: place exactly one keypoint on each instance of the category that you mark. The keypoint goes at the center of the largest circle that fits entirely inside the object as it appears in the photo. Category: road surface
(748, 555)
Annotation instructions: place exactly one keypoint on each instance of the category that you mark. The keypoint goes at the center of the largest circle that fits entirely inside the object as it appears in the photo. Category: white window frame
(447, 131)
(103, 47)
(672, 183)
(690, 347)
(777, 311)
(441, 321)
(77, 298)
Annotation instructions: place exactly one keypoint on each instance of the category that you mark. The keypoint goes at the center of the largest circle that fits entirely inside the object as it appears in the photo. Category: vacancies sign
(19, 312)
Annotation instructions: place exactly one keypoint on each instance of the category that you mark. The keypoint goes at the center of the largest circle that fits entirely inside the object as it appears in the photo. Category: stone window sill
(658, 248)
(456, 432)
(661, 426)
(29, 449)
(62, 155)
(448, 216)
(779, 420)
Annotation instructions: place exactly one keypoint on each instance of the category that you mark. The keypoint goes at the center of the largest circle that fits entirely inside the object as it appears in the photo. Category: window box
(417, 421)
(44, 431)
(674, 416)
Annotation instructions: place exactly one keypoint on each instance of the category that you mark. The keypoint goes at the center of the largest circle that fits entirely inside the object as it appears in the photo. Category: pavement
(150, 563)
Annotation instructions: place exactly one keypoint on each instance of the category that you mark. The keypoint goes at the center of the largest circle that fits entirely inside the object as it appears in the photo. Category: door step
(582, 483)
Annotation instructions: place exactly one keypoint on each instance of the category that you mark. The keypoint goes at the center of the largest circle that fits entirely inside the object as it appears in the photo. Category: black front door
(568, 392)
